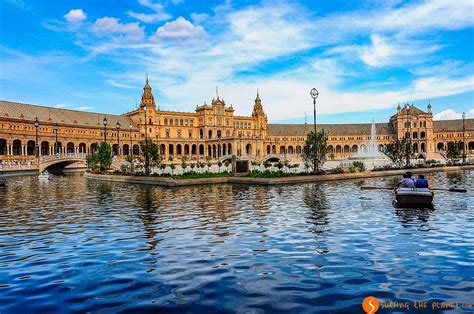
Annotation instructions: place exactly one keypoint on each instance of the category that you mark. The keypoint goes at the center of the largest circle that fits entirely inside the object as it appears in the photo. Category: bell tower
(148, 100)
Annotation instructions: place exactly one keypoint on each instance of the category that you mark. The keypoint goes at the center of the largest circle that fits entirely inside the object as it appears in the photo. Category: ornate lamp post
(56, 129)
(219, 144)
(240, 145)
(105, 129)
(37, 144)
(130, 151)
(314, 94)
(117, 126)
(463, 137)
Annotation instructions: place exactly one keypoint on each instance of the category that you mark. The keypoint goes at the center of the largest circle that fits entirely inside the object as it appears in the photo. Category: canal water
(74, 244)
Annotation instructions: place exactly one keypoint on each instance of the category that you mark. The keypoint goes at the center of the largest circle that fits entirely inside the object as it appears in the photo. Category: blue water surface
(78, 245)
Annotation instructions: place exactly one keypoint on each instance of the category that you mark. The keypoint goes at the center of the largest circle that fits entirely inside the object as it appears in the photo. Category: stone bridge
(60, 160)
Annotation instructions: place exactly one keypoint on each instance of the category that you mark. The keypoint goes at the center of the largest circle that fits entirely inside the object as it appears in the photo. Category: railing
(15, 166)
(62, 156)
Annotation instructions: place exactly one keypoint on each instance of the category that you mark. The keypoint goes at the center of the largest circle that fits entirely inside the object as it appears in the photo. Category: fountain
(369, 153)
(371, 150)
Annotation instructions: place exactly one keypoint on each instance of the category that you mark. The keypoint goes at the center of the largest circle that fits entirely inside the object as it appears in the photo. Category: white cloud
(120, 85)
(378, 52)
(450, 114)
(75, 16)
(158, 14)
(111, 27)
(179, 29)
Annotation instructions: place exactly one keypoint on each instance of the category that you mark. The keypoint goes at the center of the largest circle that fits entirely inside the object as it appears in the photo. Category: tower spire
(217, 92)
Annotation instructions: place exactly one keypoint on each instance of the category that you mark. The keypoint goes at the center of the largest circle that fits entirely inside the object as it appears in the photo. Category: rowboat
(408, 197)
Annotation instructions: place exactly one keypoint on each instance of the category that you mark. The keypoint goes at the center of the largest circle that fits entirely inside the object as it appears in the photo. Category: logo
(370, 305)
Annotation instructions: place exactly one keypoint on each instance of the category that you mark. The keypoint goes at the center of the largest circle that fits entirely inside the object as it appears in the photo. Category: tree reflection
(315, 198)
(147, 200)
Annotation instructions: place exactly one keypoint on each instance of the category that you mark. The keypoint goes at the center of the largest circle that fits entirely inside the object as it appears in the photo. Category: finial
(147, 78)
(217, 93)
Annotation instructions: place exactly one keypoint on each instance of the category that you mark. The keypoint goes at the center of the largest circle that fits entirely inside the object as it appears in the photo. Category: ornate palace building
(211, 131)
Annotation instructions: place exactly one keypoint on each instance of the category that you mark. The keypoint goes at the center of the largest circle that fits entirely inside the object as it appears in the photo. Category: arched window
(422, 135)
(166, 121)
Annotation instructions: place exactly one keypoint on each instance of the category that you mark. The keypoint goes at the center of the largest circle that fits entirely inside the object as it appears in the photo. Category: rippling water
(74, 244)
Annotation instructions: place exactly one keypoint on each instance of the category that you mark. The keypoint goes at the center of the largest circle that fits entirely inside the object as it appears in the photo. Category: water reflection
(96, 246)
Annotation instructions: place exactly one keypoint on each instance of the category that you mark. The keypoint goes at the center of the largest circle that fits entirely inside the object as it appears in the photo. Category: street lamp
(463, 137)
(105, 129)
(56, 129)
(240, 145)
(117, 126)
(37, 146)
(130, 151)
(314, 94)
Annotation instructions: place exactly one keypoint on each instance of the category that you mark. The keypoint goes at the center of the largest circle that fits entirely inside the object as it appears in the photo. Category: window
(166, 121)
(190, 133)
(167, 133)
(179, 133)
(181, 122)
(171, 121)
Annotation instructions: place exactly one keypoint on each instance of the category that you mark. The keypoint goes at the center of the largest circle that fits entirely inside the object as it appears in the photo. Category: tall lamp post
(130, 151)
(117, 126)
(105, 129)
(37, 139)
(463, 137)
(56, 129)
(314, 94)
(240, 145)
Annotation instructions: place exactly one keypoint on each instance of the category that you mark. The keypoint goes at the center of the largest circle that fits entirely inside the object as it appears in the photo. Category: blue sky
(364, 57)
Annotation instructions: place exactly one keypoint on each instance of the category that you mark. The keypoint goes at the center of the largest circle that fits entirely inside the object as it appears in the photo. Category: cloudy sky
(364, 57)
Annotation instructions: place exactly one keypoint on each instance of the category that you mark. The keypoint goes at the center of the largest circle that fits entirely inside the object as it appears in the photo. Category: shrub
(358, 165)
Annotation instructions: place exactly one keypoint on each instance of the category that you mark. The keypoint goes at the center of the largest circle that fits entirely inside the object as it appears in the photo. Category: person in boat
(407, 182)
(421, 182)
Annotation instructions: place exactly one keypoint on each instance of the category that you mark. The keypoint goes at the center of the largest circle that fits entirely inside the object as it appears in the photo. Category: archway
(194, 150)
(331, 149)
(248, 149)
(30, 148)
(44, 148)
(178, 150)
(470, 146)
(93, 147)
(229, 149)
(415, 147)
(3, 146)
(162, 149)
(126, 149)
(268, 150)
(423, 147)
(282, 150)
(82, 148)
(291, 151)
(70, 148)
(16, 148)
(440, 147)
(355, 148)
(170, 149)
(338, 149)
(136, 149)
(298, 150)
(115, 148)
(201, 149)
(346, 148)
(186, 149)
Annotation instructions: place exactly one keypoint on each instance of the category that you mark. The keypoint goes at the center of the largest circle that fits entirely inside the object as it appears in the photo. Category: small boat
(408, 197)
(45, 175)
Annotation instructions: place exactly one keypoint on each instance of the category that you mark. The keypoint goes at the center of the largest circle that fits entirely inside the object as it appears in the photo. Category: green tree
(315, 150)
(149, 156)
(101, 159)
(184, 159)
(398, 151)
(454, 152)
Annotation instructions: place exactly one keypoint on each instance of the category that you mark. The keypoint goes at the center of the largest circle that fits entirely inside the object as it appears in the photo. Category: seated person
(421, 182)
(407, 182)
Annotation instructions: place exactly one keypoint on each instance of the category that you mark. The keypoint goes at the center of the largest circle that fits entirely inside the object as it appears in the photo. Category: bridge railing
(62, 156)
